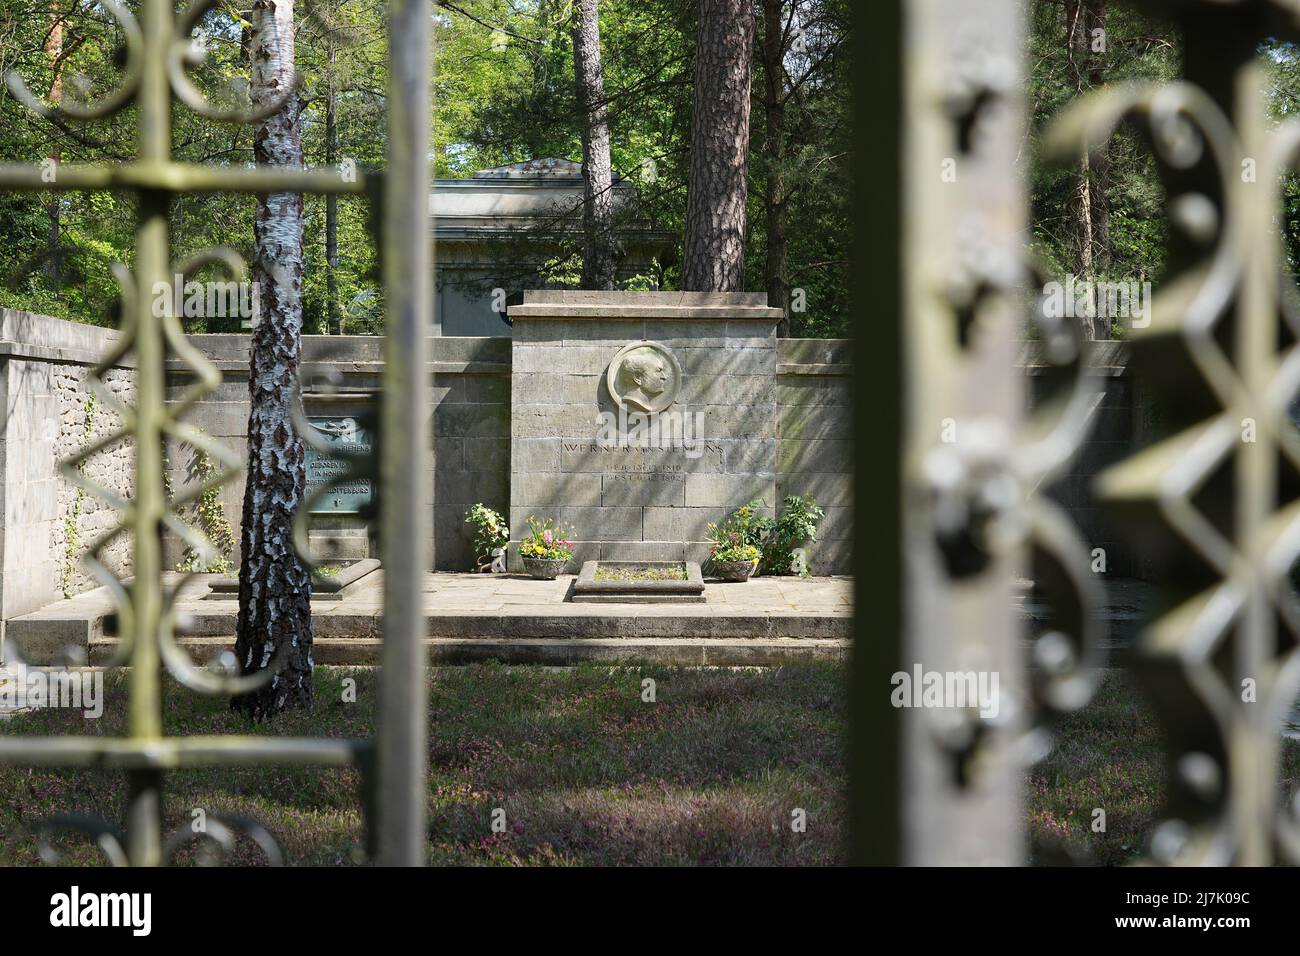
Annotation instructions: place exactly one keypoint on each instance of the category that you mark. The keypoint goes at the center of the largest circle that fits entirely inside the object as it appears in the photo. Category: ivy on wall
(210, 519)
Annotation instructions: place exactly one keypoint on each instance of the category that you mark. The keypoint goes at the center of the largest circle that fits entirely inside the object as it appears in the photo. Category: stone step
(452, 650)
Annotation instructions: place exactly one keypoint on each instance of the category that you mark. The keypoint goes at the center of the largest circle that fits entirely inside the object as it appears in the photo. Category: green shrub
(797, 525)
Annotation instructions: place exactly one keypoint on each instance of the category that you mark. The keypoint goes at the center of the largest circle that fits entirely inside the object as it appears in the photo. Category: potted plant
(545, 550)
(733, 559)
(491, 535)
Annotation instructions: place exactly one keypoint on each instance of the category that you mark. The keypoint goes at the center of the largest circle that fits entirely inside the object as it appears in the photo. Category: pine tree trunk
(54, 57)
(778, 290)
(1095, 19)
(1091, 211)
(333, 313)
(274, 627)
(600, 245)
(714, 260)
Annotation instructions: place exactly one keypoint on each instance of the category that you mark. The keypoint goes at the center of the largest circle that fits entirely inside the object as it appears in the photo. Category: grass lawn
(586, 772)
(1110, 755)
(589, 774)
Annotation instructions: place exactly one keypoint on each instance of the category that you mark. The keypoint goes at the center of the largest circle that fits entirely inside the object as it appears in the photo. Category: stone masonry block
(750, 456)
(830, 490)
(555, 491)
(653, 489)
(534, 455)
(820, 454)
(803, 422)
(729, 491)
(488, 454)
(678, 524)
(604, 524)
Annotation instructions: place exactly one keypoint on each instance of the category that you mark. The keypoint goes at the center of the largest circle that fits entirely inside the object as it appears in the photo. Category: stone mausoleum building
(499, 228)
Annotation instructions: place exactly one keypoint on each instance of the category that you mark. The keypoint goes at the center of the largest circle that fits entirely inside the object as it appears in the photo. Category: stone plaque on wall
(345, 433)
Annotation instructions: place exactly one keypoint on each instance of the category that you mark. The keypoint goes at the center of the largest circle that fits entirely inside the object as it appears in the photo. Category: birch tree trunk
(714, 260)
(600, 245)
(274, 627)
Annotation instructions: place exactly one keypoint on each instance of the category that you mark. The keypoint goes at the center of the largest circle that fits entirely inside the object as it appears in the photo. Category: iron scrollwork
(157, 55)
(1215, 497)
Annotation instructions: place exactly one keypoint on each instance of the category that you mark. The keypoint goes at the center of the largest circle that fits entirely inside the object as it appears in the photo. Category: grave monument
(639, 418)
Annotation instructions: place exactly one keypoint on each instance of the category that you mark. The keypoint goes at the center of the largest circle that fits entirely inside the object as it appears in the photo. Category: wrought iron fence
(156, 48)
(1216, 498)
(952, 495)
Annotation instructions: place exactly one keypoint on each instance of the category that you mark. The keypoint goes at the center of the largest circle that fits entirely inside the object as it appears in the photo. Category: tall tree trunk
(600, 252)
(54, 57)
(778, 289)
(274, 627)
(1099, 214)
(333, 313)
(714, 260)
(1091, 211)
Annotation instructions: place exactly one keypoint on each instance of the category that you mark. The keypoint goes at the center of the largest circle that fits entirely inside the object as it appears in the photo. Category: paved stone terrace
(505, 617)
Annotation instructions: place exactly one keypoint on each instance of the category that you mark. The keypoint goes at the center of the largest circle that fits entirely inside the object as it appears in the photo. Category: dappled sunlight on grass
(585, 771)
(1109, 756)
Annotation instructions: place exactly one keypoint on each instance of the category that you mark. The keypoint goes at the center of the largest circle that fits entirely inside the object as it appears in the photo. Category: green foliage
(491, 531)
(504, 91)
(1139, 48)
(341, 51)
(211, 521)
(747, 531)
(796, 526)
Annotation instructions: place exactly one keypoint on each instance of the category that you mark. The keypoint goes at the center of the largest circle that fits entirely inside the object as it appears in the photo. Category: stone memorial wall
(470, 383)
(514, 426)
(815, 452)
(47, 414)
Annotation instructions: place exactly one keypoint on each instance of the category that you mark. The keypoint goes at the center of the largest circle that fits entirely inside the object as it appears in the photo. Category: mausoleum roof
(510, 199)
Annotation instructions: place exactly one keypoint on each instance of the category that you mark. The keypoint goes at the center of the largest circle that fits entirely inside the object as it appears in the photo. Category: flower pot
(545, 569)
(733, 570)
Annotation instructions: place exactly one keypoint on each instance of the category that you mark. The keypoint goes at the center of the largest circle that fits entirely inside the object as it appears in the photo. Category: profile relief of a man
(643, 377)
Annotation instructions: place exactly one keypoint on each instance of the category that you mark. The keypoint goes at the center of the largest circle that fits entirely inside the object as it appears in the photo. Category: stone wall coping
(1107, 357)
(26, 335)
(59, 356)
(612, 312)
(670, 299)
(829, 368)
(356, 368)
(585, 304)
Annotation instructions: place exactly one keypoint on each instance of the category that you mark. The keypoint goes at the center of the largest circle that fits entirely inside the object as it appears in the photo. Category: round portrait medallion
(644, 377)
